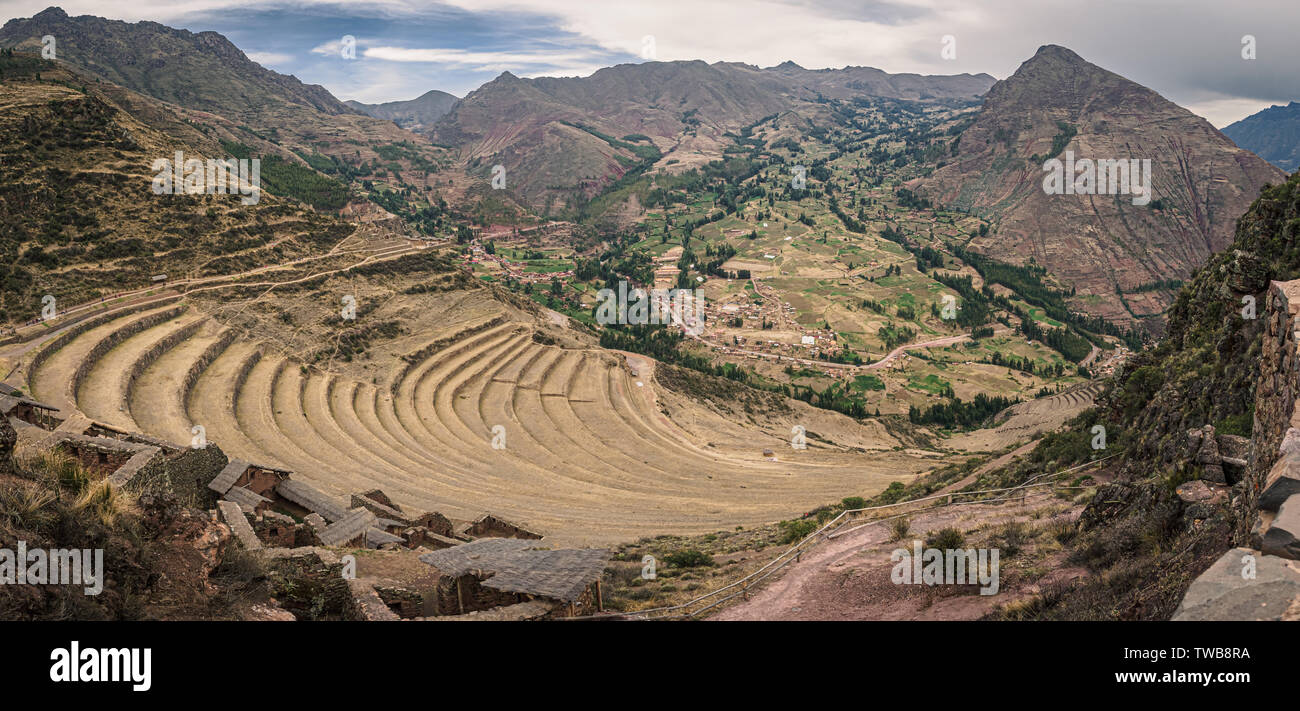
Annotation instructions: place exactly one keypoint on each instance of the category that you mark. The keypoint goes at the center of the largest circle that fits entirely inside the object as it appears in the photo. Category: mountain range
(415, 114)
(202, 79)
(567, 136)
(563, 141)
(1273, 134)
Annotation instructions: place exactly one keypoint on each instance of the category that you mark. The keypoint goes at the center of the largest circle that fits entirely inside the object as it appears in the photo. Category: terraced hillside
(1023, 421)
(589, 453)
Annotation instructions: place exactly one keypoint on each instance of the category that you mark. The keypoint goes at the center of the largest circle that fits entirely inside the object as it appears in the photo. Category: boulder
(1227, 592)
(193, 542)
(1283, 536)
(1233, 446)
(1263, 520)
(1281, 483)
(1200, 499)
(1209, 451)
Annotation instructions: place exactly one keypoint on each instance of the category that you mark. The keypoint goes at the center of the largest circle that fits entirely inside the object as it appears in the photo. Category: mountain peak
(52, 12)
(214, 71)
(1056, 51)
(1055, 57)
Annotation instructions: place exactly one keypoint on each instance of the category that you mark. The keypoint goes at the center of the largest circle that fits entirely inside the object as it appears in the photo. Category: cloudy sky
(1188, 50)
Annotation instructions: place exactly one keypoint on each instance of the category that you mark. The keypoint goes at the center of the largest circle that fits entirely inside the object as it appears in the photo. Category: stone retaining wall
(149, 357)
(204, 360)
(241, 376)
(112, 340)
(410, 360)
(66, 337)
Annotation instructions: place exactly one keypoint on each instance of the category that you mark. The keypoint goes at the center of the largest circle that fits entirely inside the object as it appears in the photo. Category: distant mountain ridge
(553, 134)
(199, 71)
(1110, 249)
(1272, 134)
(418, 113)
(203, 80)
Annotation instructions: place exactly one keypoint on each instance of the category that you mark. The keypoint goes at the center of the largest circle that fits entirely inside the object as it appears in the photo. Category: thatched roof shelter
(517, 566)
(226, 478)
(247, 500)
(312, 499)
(354, 524)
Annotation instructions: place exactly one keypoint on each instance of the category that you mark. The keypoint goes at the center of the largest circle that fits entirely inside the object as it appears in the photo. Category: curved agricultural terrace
(592, 448)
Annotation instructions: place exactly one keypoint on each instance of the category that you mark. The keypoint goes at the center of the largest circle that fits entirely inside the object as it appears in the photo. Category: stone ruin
(285, 519)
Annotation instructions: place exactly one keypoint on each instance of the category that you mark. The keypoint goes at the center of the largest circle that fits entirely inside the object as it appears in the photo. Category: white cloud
(1221, 112)
(763, 32)
(464, 59)
(267, 59)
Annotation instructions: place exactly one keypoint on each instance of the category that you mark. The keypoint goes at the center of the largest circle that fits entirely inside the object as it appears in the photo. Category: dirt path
(947, 341)
(996, 463)
(913, 346)
(848, 578)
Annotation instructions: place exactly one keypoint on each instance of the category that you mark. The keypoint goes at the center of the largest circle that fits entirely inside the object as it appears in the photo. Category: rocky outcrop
(1243, 585)
(1261, 581)
(196, 544)
(1221, 458)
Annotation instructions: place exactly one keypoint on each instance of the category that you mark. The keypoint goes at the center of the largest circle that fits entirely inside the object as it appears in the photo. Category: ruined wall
(312, 588)
(473, 595)
(241, 376)
(1275, 395)
(492, 527)
(185, 474)
(259, 481)
(99, 463)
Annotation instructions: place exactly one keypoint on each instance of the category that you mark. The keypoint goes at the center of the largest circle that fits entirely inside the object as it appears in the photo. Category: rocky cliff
(1209, 455)
(1260, 578)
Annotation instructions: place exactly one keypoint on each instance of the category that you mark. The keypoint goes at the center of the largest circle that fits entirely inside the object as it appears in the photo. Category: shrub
(899, 528)
(1010, 537)
(688, 559)
(792, 531)
(892, 493)
(947, 538)
(1061, 529)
